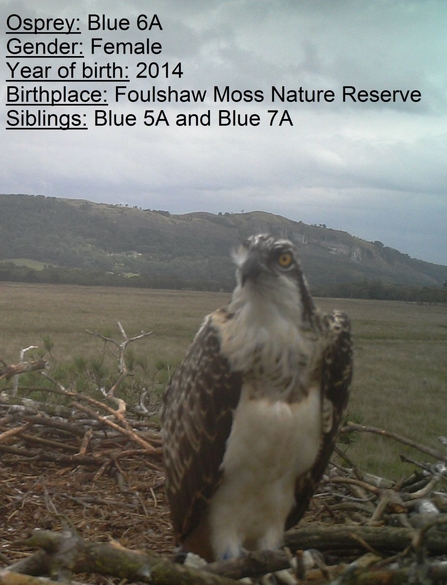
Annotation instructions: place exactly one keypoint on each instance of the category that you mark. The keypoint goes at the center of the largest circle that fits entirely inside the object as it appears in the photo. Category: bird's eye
(285, 260)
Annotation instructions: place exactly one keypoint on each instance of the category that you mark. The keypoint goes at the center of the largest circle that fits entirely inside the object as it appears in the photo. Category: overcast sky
(377, 170)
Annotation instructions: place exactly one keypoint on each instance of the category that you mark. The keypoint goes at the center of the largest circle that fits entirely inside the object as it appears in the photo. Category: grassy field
(34, 264)
(400, 379)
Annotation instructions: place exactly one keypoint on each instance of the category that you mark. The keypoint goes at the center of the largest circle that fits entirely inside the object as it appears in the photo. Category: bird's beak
(251, 268)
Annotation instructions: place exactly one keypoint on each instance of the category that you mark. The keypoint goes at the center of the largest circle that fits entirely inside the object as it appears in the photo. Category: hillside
(190, 250)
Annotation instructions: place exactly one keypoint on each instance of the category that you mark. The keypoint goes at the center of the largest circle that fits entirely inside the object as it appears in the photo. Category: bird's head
(269, 267)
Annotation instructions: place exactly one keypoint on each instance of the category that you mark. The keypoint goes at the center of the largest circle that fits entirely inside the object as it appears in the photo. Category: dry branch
(66, 554)
(7, 434)
(7, 372)
(38, 431)
(360, 573)
(253, 564)
(121, 353)
(424, 449)
(126, 431)
(343, 538)
(88, 443)
(9, 578)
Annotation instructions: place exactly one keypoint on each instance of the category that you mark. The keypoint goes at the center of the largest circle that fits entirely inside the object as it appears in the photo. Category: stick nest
(94, 468)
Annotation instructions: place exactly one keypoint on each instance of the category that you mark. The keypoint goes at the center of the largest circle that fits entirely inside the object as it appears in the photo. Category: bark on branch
(7, 372)
(342, 538)
(65, 553)
(368, 429)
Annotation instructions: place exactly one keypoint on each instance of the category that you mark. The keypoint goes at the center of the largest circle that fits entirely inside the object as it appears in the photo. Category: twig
(357, 482)
(10, 578)
(67, 552)
(8, 372)
(335, 538)
(130, 434)
(387, 497)
(12, 432)
(420, 543)
(252, 564)
(34, 439)
(428, 450)
(121, 353)
(424, 491)
(15, 386)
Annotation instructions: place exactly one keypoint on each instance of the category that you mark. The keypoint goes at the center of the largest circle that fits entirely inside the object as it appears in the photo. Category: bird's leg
(231, 552)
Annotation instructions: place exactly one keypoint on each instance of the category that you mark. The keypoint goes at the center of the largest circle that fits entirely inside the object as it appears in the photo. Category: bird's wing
(196, 422)
(336, 374)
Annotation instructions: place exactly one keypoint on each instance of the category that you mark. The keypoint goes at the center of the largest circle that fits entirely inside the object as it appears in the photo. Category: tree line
(206, 279)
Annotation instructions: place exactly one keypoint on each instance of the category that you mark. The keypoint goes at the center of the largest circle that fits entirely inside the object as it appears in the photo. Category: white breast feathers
(270, 445)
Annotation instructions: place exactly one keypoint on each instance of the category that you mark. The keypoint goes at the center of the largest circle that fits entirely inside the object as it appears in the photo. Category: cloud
(375, 169)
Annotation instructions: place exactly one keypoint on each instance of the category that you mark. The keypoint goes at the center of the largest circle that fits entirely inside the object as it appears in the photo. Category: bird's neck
(267, 342)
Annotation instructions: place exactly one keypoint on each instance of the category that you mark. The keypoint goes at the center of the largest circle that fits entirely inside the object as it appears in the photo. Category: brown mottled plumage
(251, 416)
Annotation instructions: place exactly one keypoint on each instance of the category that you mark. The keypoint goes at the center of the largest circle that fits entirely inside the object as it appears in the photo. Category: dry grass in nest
(129, 507)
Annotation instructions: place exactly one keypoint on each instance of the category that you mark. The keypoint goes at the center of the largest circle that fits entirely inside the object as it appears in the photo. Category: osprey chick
(251, 416)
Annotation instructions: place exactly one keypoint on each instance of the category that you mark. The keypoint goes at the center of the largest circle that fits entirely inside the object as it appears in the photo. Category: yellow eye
(285, 260)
